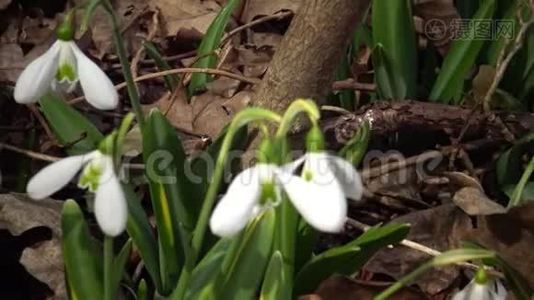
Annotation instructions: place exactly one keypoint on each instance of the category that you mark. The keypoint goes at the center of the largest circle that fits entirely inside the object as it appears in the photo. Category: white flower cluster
(319, 193)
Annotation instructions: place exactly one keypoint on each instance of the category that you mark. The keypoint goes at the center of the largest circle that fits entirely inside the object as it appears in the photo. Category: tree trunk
(306, 60)
(311, 50)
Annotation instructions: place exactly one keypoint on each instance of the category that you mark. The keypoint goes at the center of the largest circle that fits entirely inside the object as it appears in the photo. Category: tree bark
(305, 62)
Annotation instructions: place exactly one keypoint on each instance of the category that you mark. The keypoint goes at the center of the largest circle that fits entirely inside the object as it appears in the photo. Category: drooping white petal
(111, 210)
(36, 78)
(291, 167)
(97, 87)
(475, 291)
(349, 179)
(499, 290)
(239, 204)
(55, 176)
(317, 165)
(323, 206)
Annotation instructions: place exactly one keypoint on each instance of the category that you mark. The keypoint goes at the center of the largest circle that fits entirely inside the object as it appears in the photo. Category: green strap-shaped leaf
(307, 238)
(233, 268)
(140, 231)
(394, 31)
(245, 263)
(347, 98)
(208, 271)
(509, 163)
(119, 263)
(348, 258)
(209, 44)
(509, 16)
(362, 36)
(385, 74)
(461, 58)
(272, 288)
(83, 264)
(164, 159)
(171, 81)
(70, 127)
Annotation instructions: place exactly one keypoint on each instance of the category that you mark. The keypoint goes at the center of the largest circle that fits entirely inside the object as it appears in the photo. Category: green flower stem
(288, 220)
(125, 65)
(108, 268)
(121, 137)
(285, 238)
(518, 191)
(296, 107)
(241, 119)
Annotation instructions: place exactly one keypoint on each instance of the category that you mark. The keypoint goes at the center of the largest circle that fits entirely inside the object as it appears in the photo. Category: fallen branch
(181, 71)
(351, 84)
(389, 117)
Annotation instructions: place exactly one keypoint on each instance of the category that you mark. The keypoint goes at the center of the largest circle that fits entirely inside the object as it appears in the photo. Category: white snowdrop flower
(61, 67)
(325, 169)
(98, 176)
(318, 196)
(490, 290)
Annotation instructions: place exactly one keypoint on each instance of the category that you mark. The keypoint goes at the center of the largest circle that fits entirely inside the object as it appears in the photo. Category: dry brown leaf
(223, 86)
(36, 31)
(212, 112)
(339, 287)
(11, 62)
(238, 102)
(176, 109)
(29, 31)
(511, 235)
(483, 81)
(186, 15)
(4, 3)
(133, 142)
(44, 262)
(461, 180)
(209, 114)
(129, 13)
(440, 228)
(35, 34)
(474, 202)
(437, 16)
(398, 188)
(265, 39)
(254, 60)
(259, 8)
